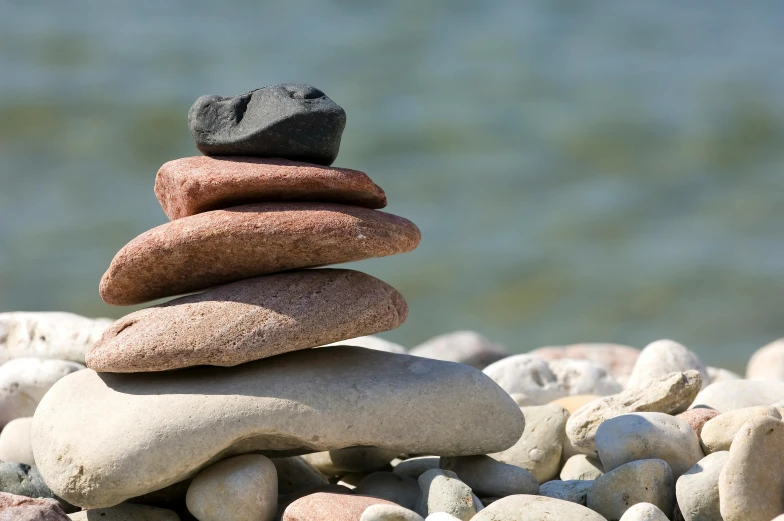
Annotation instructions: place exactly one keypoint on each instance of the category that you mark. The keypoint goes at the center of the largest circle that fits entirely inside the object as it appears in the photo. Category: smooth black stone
(24, 480)
(290, 121)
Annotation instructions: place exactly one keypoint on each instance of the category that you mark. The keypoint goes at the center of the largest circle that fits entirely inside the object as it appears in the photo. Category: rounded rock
(718, 374)
(24, 480)
(697, 418)
(697, 490)
(539, 448)
(584, 377)
(463, 347)
(717, 434)
(737, 394)
(767, 363)
(643, 481)
(403, 490)
(389, 513)
(661, 358)
(15, 442)
(648, 436)
(574, 491)
(22, 508)
(335, 507)
(751, 481)
(442, 491)
(581, 467)
(415, 467)
(490, 478)
(644, 512)
(535, 508)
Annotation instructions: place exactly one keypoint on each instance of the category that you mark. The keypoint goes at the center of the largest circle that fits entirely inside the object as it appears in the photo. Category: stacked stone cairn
(264, 396)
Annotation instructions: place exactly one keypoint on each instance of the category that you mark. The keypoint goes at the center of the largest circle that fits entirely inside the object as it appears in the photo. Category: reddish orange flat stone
(221, 246)
(199, 184)
(323, 506)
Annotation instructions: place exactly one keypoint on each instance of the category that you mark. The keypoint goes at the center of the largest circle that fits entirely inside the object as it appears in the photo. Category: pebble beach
(261, 392)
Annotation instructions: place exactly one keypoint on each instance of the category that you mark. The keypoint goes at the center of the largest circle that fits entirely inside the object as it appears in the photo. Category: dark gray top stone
(291, 121)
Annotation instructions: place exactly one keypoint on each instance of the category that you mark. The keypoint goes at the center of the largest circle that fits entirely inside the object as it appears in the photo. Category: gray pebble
(490, 478)
(441, 491)
(644, 481)
(575, 491)
(697, 491)
(397, 488)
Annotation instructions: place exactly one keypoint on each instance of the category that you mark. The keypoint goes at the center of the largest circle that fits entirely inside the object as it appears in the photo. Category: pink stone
(324, 506)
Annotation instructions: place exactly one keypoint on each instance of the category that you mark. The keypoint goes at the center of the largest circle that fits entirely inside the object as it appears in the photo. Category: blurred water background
(580, 171)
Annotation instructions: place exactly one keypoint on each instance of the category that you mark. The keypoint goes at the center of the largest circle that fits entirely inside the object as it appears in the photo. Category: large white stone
(737, 394)
(24, 381)
(661, 358)
(644, 512)
(101, 438)
(15, 442)
(767, 363)
(718, 432)
(697, 490)
(61, 336)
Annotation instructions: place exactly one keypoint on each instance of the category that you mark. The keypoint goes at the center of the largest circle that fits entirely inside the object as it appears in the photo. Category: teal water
(581, 171)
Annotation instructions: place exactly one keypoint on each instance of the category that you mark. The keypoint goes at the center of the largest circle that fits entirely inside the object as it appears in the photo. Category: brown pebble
(324, 506)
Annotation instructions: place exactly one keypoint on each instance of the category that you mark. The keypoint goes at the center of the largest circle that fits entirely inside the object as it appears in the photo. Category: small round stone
(697, 418)
(389, 513)
(581, 467)
(15, 442)
(490, 478)
(644, 481)
(242, 488)
(767, 363)
(661, 358)
(442, 491)
(644, 512)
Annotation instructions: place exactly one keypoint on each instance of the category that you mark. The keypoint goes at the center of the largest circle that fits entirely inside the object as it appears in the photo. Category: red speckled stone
(221, 246)
(193, 185)
(324, 506)
(697, 418)
(21, 508)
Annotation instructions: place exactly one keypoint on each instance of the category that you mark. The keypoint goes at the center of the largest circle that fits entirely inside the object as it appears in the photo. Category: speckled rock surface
(574, 491)
(648, 435)
(15, 443)
(697, 490)
(242, 488)
(717, 434)
(442, 491)
(21, 508)
(697, 418)
(335, 507)
(223, 246)
(249, 320)
(644, 512)
(767, 363)
(581, 467)
(24, 381)
(737, 394)
(539, 448)
(643, 481)
(535, 508)
(617, 359)
(290, 120)
(166, 426)
(661, 358)
(54, 335)
(670, 394)
(193, 185)
(389, 513)
(126, 512)
(463, 347)
(751, 481)
(490, 478)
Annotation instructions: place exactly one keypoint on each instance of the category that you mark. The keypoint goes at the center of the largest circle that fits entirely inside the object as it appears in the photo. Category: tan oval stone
(194, 253)
(717, 433)
(193, 185)
(248, 320)
(535, 508)
(149, 430)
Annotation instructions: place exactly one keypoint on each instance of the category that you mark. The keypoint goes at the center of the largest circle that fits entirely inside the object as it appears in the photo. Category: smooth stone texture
(389, 513)
(539, 448)
(572, 403)
(717, 434)
(149, 430)
(574, 491)
(697, 418)
(767, 362)
(643, 481)
(15, 443)
(372, 342)
(194, 185)
(356, 460)
(53, 335)
(441, 491)
(335, 507)
(644, 512)
(645, 436)
(223, 246)
(670, 394)
(396, 488)
(415, 467)
(751, 482)
(737, 394)
(581, 467)
(242, 488)
(23, 480)
(249, 320)
(24, 381)
(542, 382)
(617, 359)
(535, 508)
(285, 500)
(22, 508)
(697, 490)
(295, 473)
(718, 374)
(128, 512)
(661, 358)
(463, 347)
(488, 477)
(290, 120)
